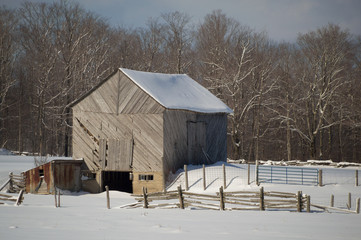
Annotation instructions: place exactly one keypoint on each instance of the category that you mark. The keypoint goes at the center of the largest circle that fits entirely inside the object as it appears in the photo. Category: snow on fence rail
(16, 183)
(238, 200)
(9, 198)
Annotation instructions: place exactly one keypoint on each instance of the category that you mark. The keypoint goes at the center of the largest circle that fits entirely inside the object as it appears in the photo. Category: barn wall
(118, 112)
(118, 95)
(67, 175)
(176, 138)
(154, 185)
(146, 130)
(216, 135)
(104, 99)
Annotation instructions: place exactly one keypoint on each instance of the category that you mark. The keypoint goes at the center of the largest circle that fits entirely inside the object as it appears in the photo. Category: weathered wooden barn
(134, 128)
(62, 174)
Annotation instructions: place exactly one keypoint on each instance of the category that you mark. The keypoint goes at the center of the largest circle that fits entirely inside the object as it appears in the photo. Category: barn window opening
(146, 177)
(41, 172)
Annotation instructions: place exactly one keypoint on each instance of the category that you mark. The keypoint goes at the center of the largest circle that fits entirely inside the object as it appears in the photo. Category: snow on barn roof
(177, 91)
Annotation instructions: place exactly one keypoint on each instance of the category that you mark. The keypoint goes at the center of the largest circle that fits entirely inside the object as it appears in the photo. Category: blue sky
(281, 19)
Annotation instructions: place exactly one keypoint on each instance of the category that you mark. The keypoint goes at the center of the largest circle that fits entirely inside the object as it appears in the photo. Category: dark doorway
(119, 181)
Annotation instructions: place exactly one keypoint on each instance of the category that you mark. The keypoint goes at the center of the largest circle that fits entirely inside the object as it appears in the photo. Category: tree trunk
(340, 142)
(288, 132)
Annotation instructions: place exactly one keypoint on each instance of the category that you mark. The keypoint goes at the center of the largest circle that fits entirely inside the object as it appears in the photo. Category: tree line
(296, 100)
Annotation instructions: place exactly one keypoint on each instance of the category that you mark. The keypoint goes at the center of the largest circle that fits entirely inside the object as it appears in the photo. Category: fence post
(56, 204)
(358, 205)
(20, 197)
(108, 199)
(145, 197)
(180, 195)
(332, 200)
(356, 177)
(58, 198)
(249, 173)
(257, 181)
(224, 176)
(204, 177)
(221, 198)
(349, 201)
(261, 199)
(320, 178)
(299, 201)
(186, 176)
(308, 204)
(11, 183)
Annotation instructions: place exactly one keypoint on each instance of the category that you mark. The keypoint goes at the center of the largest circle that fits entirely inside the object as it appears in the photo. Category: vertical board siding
(119, 155)
(176, 137)
(216, 135)
(197, 142)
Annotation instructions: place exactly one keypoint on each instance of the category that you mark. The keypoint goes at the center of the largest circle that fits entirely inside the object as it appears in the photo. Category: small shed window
(41, 173)
(145, 177)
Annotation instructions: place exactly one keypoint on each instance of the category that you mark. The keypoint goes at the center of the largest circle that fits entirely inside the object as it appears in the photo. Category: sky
(283, 20)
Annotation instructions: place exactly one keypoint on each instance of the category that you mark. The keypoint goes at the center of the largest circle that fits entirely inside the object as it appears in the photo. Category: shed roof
(177, 91)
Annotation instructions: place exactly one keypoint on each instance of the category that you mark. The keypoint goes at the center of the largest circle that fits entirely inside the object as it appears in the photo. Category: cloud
(282, 19)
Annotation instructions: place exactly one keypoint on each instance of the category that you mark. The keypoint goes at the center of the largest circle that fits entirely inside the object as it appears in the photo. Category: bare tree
(70, 49)
(152, 42)
(324, 55)
(82, 46)
(178, 38)
(38, 44)
(236, 68)
(8, 48)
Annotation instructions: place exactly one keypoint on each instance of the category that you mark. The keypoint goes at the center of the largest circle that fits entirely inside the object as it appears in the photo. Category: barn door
(196, 139)
(120, 154)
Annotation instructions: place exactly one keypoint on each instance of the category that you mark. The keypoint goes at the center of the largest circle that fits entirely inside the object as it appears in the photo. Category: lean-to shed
(134, 128)
(63, 174)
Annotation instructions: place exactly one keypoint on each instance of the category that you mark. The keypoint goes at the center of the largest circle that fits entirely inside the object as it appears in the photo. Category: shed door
(196, 137)
(120, 155)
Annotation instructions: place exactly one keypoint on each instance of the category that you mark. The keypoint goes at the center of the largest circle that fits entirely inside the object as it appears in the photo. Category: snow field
(85, 216)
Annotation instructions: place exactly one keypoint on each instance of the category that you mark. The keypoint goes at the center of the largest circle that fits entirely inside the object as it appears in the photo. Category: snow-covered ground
(85, 216)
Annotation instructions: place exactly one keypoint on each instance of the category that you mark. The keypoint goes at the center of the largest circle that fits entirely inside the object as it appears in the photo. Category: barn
(135, 127)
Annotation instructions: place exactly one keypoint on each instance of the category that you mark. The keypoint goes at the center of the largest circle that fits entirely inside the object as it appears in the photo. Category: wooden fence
(9, 198)
(239, 200)
(15, 183)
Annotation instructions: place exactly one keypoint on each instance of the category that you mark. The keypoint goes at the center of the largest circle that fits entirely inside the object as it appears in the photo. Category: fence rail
(287, 175)
(239, 200)
(15, 183)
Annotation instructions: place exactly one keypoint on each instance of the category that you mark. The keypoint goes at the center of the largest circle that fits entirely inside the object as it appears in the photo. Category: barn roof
(177, 91)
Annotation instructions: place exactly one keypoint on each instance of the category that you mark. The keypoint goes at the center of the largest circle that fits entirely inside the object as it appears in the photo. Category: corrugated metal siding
(67, 177)
(37, 184)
